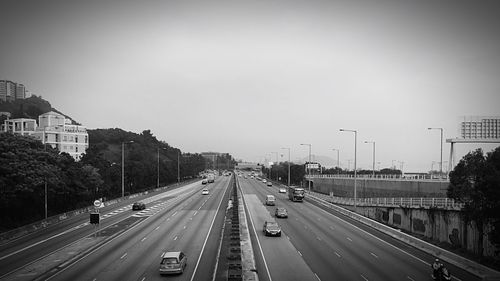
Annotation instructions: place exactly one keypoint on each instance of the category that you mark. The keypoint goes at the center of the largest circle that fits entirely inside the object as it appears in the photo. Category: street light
(276, 164)
(373, 142)
(338, 159)
(441, 144)
(123, 166)
(355, 153)
(158, 168)
(308, 170)
(288, 163)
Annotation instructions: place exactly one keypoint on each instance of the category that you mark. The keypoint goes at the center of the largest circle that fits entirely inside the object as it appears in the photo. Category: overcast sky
(251, 77)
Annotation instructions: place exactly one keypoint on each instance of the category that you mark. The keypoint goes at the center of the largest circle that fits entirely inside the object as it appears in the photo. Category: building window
(76, 139)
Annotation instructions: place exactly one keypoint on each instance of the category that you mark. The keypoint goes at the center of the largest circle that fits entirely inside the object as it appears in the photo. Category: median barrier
(483, 272)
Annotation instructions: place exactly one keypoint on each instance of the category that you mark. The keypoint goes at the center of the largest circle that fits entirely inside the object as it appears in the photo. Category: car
(282, 190)
(173, 262)
(271, 228)
(264, 180)
(269, 183)
(281, 213)
(138, 206)
(204, 181)
(204, 191)
(270, 200)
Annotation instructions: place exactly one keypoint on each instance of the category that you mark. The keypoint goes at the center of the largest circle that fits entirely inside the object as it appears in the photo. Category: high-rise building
(480, 127)
(20, 92)
(7, 90)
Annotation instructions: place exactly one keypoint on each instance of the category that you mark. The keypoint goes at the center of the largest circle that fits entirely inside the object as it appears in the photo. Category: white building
(56, 130)
(22, 126)
(53, 129)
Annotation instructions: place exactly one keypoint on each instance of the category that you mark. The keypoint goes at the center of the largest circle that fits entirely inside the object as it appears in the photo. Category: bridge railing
(381, 177)
(408, 202)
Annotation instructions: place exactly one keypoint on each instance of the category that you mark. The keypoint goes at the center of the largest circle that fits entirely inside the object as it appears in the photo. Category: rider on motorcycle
(436, 267)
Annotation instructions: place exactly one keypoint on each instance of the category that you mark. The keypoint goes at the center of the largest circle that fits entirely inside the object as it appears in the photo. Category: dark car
(281, 213)
(271, 228)
(138, 206)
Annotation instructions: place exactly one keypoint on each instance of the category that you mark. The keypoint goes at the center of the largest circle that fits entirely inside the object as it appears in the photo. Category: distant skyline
(251, 77)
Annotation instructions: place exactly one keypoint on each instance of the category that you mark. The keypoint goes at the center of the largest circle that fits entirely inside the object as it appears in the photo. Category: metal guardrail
(422, 202)
(383, 177)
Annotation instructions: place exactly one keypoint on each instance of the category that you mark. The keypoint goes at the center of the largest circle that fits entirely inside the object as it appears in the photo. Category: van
(270, 200)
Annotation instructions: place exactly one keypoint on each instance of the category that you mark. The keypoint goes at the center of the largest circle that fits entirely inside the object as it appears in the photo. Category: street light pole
(373, 142)
(441, 144)
(308, 170)
(338, 159)
(355, 154)
(123, 166)
(288, 163)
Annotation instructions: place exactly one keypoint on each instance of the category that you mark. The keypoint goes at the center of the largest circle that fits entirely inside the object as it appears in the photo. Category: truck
(296, 194)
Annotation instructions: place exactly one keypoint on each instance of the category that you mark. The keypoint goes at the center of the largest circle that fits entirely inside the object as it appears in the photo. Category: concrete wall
(434, 224)
(344, 187)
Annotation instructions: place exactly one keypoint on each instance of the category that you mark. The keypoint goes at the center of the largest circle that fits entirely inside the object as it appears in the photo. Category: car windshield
(169, 261)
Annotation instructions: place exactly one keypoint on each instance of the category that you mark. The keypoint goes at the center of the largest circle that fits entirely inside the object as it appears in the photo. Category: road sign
(97, 203)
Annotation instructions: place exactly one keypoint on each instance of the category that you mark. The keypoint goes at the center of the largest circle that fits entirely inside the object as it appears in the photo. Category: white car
(204, 191)
(282, 190)
(264, 180)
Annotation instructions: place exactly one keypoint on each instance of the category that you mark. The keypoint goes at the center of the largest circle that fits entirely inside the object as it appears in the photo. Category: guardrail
(425, 178)
(409, 202)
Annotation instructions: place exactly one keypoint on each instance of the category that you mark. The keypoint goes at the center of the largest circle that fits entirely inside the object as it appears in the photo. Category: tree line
(28, 168)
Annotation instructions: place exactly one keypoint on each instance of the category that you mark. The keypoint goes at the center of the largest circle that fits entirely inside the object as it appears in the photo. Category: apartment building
(480, 128)
(52, 129)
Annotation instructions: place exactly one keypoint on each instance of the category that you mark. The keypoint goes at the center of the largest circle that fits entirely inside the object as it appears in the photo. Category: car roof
(171, 254)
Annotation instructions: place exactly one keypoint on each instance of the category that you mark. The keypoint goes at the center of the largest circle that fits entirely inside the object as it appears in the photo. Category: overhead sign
(312, 166)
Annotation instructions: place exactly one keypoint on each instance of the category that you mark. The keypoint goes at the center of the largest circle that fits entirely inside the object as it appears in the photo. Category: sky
(252, 77)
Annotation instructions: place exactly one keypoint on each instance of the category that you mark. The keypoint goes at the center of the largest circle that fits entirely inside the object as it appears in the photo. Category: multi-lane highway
(320, 244)
(316, 243)
(128, 244)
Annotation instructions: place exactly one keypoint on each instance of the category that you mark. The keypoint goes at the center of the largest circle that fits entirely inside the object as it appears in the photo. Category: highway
(319, 244)
(128, 244)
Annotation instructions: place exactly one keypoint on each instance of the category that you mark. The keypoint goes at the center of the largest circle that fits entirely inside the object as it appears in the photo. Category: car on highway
(271, 228)
(264, 180)
(204, 181)
(282, 190)
(281, 212)
(204, 191)
(173, 262)
(270, 200)
(269, 183)
(138, 206)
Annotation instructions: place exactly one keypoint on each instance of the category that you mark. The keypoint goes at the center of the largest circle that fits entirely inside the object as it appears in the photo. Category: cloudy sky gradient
(251, 77)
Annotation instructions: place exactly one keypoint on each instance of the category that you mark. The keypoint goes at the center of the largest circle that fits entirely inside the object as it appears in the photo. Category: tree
(475, 181)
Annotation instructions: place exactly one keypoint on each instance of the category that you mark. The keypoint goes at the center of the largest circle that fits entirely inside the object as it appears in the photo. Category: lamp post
(123, 165)
(441, 144)
(158, 167)
(338, 159)
(355, 153)
(288, 163)
(308, 170)
(373, 142)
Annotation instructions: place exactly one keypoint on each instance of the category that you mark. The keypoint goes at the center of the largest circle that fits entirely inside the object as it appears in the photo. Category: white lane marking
(195, 212)
(373, 255)
(142, 240)
(174, 213)
(350, 240)
(175, 238)
(299, 253)
(206, 238)
(318, 238)
(158, 227)
(124, 255)
(317, 276)
(366, 279)
(143, 278)
(408, 277)
(184, 227)
(338, 255)
(375, 237)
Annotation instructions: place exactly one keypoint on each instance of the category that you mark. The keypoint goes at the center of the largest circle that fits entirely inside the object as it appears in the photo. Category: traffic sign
(97, 203)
